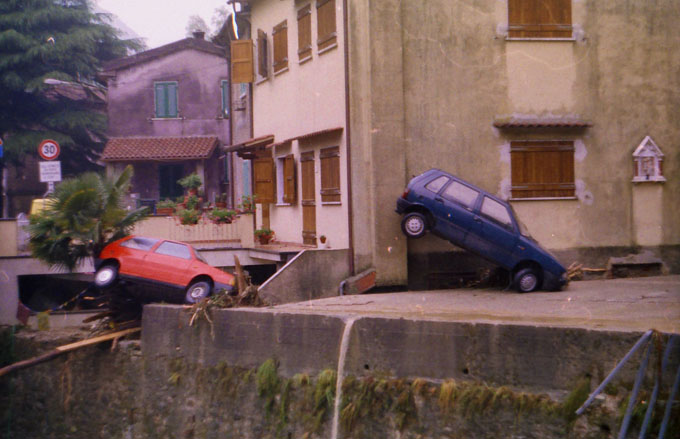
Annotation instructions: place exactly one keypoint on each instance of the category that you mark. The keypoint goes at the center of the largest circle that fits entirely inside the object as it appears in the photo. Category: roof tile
(159, 148)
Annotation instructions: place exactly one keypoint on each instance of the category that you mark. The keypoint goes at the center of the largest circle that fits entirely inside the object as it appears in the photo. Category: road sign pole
(50, 187)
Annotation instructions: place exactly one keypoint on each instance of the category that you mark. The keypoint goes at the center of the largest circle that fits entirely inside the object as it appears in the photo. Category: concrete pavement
(634, 304)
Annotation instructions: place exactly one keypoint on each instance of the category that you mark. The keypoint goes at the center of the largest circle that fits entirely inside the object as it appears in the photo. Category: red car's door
(132, 253)
(169, 263)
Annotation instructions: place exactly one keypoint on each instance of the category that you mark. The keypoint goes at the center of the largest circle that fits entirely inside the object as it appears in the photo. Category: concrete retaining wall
(312, 274)
(522, 356)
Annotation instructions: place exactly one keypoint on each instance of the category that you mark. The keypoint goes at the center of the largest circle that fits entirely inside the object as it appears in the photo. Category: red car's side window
(174, 249)
(139, 243)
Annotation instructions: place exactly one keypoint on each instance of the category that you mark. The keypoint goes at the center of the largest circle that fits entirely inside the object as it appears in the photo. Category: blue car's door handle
(477, 219)
(439, 199)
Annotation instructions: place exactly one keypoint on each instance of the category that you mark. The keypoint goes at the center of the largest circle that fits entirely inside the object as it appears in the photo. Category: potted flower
(189, 216)
(324, 241)
(192, 202)
(165, 207)
(247, 204)
(264, 235)
(221, 201)
(191, 183)
(222, 216)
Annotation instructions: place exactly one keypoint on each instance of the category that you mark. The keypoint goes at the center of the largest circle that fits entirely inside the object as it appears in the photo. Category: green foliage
(189, 217)
(268, 383)
(191, 181)
(55, 40)
(166, 204)
(576, 398)
(193, 202)
(264, 232)
(222, 215)
(247, 203)
(83, 215)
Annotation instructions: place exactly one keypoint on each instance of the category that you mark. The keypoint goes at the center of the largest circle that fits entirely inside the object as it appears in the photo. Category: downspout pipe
(348, 136)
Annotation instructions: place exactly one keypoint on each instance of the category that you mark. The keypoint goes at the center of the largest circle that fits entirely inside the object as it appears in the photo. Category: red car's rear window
(139, 243)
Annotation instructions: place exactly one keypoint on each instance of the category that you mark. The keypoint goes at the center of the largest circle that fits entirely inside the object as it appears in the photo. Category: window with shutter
(242, 69)
(330, 175)
(263, 173)
(165, 99)
(542, 169)
(289, 181)
(326, 32)
(539, 19)
(261, 53)
(304, 21)
(308, 198)
(280, 36)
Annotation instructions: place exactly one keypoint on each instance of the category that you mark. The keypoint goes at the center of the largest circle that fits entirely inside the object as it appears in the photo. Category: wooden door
(308, 200)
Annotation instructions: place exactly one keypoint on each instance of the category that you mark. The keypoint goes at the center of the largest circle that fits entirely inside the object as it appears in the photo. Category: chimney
(198, 34)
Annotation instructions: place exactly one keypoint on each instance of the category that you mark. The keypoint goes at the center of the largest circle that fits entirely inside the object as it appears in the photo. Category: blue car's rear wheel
(414, 225)
(197, 291)
(527, 280)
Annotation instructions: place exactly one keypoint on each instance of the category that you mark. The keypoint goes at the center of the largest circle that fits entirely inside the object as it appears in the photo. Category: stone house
(566, 108)
(169, 115)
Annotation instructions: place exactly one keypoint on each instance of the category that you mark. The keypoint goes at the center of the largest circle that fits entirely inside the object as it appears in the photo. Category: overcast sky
(160, 21)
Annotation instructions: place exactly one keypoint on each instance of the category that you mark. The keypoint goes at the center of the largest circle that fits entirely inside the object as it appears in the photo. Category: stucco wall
(457, 73)
(304, 98)
(198, 74)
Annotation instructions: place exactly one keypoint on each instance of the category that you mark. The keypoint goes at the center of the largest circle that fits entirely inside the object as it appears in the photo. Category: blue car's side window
(461, 194)
(496, 212)
(437, 184)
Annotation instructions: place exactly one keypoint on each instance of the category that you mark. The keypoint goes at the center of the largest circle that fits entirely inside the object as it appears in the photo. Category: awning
(249, 148)
(324, 132)
(570, 122)
(159, 148)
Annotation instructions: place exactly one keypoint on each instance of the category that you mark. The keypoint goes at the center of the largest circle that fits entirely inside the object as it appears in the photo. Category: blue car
(481, 223)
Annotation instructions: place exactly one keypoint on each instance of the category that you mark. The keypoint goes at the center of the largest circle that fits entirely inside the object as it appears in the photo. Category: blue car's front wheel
(527, 280)
(414, 225)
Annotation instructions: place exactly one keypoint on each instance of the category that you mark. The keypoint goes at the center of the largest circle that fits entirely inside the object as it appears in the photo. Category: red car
(175, 268)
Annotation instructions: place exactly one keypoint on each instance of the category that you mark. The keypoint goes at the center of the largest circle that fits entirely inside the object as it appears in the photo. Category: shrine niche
(648, 162)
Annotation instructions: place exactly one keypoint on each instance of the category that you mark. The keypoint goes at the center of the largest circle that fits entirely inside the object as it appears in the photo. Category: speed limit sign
(48, 149)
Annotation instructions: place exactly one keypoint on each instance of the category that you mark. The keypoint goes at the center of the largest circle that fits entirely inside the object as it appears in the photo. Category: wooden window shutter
(280, 36)
(242, 68)
(539, 19)
(542, 169)
(330, 174)
(264, 173)
(261, 53)
(304, 20)
(289, 181)
(326, 32)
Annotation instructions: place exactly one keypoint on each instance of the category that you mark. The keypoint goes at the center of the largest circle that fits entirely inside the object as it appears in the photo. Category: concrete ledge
(500, 354)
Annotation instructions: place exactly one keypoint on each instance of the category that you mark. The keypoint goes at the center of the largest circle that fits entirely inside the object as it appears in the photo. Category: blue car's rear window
(139, 243)
(436, 184)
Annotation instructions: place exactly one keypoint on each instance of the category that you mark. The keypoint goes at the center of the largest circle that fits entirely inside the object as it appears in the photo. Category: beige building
(567, 108)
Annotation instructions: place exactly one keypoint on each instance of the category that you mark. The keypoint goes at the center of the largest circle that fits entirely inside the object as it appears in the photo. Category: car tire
(414, 225)
(197, 291)
(527, 280)
(106, 276)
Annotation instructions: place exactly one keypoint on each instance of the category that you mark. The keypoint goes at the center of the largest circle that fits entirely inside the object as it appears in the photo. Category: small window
(326, 32)
(497, 212)
(174, 249)
(539, 19)
(280, 36)
(462, 194)
(437, 184)
(304, 20)
(542, 169)
(286, 182)
(166, 99)
(330, 175)
(225, 98)
(139, 243)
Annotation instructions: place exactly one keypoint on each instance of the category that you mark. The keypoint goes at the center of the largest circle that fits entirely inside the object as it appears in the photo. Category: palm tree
(82, 216)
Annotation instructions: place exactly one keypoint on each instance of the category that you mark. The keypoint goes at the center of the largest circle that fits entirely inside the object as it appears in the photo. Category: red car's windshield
(199, 256)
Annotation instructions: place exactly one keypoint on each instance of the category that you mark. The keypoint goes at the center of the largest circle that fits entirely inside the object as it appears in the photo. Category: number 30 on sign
(48, 149)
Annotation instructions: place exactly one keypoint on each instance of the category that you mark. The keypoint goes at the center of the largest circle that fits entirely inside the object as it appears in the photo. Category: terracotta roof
(159, 148)
(199, 44)
(541, 122)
